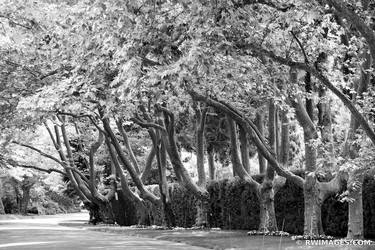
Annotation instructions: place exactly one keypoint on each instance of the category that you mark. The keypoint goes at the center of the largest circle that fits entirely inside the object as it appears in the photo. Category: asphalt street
(44, 232)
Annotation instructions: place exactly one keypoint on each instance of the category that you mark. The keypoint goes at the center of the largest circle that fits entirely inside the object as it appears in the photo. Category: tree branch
(282, 8)
(258, 139)
(257, 51)
(49, 170)
(41, 153)
(344, 12)
(301, 47)
(94, 148)
(127, 144)
(147, 125)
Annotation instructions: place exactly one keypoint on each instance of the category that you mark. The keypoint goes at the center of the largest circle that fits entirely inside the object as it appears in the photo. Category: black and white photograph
(187, 124)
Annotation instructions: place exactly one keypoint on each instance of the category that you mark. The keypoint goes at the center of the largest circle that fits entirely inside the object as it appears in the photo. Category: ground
(45, 233)
(71, 231)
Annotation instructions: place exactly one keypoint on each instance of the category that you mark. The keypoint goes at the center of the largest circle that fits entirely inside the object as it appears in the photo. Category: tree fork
(256, 137)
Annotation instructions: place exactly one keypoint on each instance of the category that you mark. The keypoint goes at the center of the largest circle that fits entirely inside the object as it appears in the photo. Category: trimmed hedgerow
(289, 208)
(183, 205)
(369, 207)
(234, 205)
(124, 210)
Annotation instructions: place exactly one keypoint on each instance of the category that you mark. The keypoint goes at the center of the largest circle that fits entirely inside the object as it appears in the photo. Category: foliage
(241, 211)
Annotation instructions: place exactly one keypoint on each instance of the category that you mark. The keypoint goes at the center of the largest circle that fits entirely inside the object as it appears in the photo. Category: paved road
(45, 233)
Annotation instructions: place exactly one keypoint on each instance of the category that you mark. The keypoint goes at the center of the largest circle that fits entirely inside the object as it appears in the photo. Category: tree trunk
(284, 147)
(351, 150)
(235, 159)
(244, 146)
(312, 201)
(325, 126)
(24, 202)
(2, 210)
(355, 222)
(211, 165)
(312, 214)
(128, 147)
(202, 203)
(126, 192)
(267, 207)
(266, 192)
(148, 167)
(201, 121)
(161, 158)
(260, 125)
(169, 138)
(136, 178)
(254, 134)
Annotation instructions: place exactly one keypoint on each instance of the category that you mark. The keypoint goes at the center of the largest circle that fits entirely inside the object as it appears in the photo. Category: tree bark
(260, 52)
(161, 159)
(266, 191)
(254, 134)
(148, 167)
(236, 162)
(166, 197)
(126, 192)
(312, 212)
(267, 208)
(284, 147)
(355, 220)
(351, 150)
(260, 125)
(211, 165)
(174, 156)
(2, 210)
(26, 186)
(81, 184)
(200, 124)
(325, 126)
(244, 146)
(237, 166)
(92, 184)
(127, 145)
(202, 204)
(134, 175)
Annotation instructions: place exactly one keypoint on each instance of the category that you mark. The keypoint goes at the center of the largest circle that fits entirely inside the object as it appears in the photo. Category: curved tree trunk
(260, 125)
(161, 159)
(126, 192)
(315, 192)
(148, 167)
(253, 133)
(244, 147)
(136, 178)
(127, 145)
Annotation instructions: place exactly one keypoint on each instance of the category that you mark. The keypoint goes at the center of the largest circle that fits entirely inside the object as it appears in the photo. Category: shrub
(234, 205)
(124, 210)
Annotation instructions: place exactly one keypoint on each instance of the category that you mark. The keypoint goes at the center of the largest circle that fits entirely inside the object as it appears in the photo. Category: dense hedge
(234, 205)
(124, 210)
